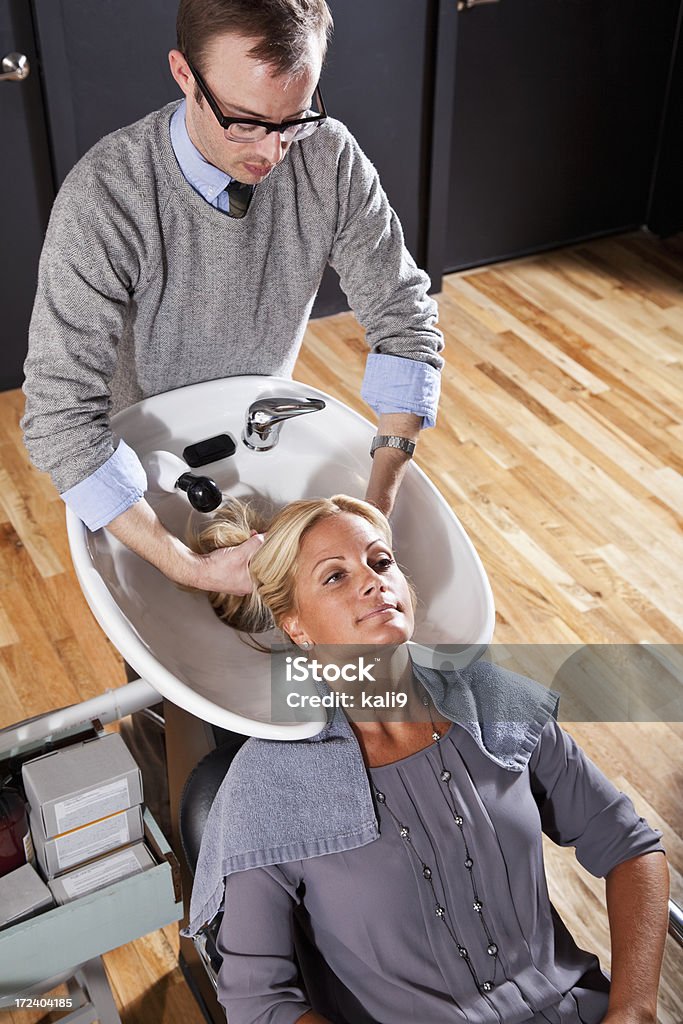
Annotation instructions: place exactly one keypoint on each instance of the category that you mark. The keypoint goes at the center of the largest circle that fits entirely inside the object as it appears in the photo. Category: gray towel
(286, 801)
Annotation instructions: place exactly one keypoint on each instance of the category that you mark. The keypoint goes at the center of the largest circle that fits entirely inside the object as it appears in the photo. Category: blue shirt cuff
(396, 384)
(110, 490)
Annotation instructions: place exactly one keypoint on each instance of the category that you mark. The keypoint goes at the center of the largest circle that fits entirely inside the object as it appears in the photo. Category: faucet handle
(284, 408)
(266, 415)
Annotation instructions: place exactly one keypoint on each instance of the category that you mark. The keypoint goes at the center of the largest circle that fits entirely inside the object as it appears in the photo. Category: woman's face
(349, 589)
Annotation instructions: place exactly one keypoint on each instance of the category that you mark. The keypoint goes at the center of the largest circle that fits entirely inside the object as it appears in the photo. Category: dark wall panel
(557, 108)
(25, 191)
(377, 80)
(666, 210)
(104, 66)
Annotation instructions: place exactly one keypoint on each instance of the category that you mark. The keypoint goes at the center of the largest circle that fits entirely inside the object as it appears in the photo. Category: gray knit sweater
(144, 287)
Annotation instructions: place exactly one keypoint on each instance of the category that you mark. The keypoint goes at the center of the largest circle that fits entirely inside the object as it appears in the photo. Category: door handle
(467, 5)
(15, 68)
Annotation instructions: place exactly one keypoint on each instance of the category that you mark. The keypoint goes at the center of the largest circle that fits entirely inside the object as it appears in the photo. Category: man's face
(244, 87)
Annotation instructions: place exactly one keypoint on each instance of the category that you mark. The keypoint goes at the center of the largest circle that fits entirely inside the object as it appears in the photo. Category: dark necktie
(240, 197)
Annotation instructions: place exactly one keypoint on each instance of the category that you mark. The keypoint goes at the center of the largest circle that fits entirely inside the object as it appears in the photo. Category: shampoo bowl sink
(174, 639)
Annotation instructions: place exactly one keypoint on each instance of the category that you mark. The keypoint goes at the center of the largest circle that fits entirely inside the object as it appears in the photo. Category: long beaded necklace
(427, 873)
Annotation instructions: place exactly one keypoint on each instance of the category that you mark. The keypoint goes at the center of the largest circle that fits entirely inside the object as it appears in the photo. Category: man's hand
(227, 569)
(224, 570)
(389, 464)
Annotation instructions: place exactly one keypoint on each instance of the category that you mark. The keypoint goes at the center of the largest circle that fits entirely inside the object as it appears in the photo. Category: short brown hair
(282, 27)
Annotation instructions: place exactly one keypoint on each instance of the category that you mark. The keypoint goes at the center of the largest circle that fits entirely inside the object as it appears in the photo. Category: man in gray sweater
(189, 246)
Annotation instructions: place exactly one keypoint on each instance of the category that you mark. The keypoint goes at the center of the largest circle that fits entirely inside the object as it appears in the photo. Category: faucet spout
(266, 415)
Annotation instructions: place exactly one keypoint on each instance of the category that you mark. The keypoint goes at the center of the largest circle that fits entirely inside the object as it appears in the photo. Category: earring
(306, 644)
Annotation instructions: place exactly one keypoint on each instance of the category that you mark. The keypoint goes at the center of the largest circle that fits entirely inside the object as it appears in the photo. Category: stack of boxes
(124, 893)
(85, 801)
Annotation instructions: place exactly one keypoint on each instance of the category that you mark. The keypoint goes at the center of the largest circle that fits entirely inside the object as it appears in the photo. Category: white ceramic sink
(174, 639)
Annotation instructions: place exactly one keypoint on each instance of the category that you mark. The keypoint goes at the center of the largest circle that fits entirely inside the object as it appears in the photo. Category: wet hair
(275, 564)
(282, 29)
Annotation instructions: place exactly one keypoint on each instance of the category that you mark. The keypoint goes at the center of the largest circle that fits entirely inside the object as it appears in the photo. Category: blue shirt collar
(206, 179)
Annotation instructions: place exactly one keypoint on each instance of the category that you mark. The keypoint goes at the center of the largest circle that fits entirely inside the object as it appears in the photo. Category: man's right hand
(224, 570)
(227, 569)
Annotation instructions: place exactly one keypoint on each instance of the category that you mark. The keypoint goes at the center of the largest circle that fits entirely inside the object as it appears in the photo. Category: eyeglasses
(247, 129)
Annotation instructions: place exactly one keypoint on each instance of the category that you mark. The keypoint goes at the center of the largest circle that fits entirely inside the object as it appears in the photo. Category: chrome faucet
(266, 416)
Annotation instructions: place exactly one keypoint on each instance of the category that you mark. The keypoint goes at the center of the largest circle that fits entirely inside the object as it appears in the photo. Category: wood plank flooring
(559, 446)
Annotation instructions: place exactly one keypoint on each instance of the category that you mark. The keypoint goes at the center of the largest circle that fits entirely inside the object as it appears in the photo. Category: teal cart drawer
(64, 937)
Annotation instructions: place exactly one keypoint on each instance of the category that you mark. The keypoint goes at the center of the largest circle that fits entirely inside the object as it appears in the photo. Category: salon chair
(200, 789)
(199, 959)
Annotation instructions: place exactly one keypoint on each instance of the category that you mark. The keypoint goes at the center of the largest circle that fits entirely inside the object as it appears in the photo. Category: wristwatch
(392, 441)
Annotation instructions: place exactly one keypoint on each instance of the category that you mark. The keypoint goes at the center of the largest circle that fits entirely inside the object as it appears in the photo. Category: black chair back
(199, 791)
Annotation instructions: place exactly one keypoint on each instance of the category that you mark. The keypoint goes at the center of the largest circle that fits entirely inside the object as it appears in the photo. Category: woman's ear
(290, 625)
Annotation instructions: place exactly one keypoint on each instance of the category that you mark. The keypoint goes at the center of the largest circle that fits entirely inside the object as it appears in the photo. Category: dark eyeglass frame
(226, 122)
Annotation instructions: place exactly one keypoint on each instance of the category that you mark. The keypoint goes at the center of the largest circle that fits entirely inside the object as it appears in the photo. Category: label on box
(88, 842)
(95, 803)
(29, 852)
(96, 876)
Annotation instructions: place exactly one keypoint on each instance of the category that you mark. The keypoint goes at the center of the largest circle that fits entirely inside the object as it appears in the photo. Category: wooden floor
(559, 446)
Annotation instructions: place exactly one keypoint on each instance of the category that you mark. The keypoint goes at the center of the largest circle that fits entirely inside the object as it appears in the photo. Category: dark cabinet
(556, 123)
(25, 189)
(665, 215)
(104, 65)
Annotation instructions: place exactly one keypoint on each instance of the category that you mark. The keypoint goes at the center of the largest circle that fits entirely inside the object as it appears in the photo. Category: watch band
(392, 441)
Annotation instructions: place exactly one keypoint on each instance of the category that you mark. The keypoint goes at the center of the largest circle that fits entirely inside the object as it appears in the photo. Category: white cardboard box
(85, 782)
(60, 853)
(22, 893)
(100, 873)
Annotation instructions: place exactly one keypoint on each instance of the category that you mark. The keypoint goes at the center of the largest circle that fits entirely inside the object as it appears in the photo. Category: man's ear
(180, 70)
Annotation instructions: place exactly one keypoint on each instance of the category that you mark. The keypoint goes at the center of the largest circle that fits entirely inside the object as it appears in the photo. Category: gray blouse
(362, 928)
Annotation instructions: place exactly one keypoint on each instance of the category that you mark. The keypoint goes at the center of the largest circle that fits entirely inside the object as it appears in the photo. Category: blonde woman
(391, 871)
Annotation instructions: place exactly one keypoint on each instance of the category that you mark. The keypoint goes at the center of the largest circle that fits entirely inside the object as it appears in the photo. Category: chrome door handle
(467, 5)
(15, 68)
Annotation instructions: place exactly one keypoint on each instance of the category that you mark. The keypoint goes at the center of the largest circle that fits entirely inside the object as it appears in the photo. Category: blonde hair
(274, 566)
